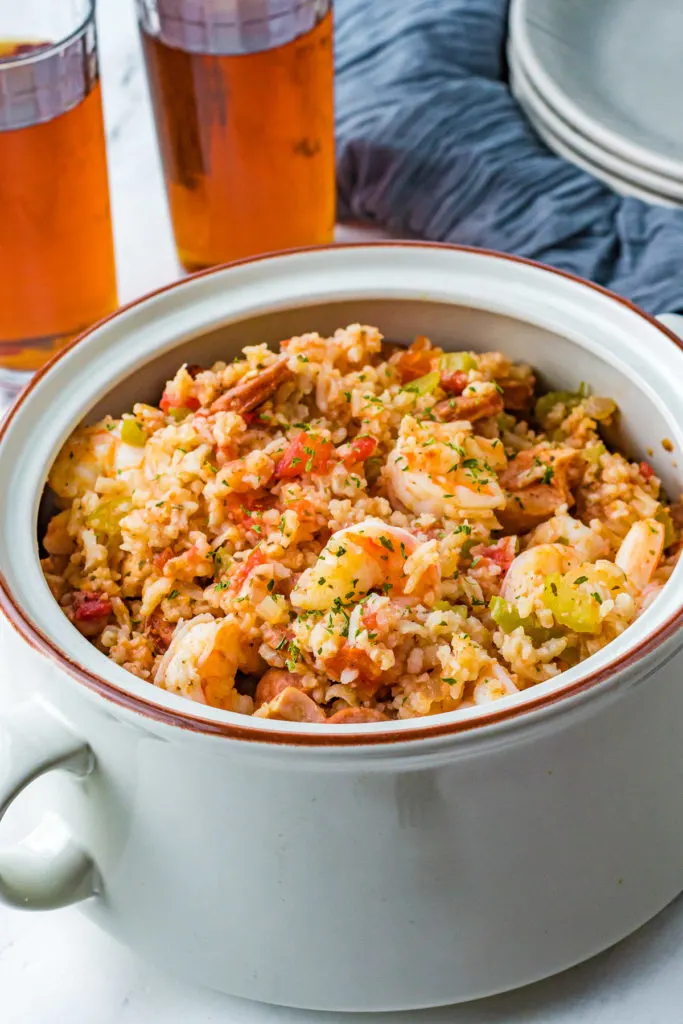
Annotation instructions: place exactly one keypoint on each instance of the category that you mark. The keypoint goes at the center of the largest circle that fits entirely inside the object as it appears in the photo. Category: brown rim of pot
(434, 726)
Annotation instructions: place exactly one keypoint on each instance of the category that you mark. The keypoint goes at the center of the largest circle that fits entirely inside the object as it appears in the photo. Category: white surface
(612, 69)
(56, 968)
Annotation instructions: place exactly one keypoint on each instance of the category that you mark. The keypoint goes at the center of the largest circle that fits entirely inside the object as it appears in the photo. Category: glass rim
(44, 52)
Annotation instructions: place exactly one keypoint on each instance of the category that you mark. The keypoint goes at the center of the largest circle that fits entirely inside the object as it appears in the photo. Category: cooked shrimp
(493, 684)
(369, 556)
(525, 578)
(444, 470)
(203, 659)
(251, 393)
(564, 529)
(640, 551)
(89, 453)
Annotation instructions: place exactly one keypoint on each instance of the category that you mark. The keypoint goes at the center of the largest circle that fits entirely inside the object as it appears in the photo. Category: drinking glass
(243, 100)
(57, 273)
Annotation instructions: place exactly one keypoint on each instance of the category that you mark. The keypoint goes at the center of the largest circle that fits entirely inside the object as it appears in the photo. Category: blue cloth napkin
(431, 144)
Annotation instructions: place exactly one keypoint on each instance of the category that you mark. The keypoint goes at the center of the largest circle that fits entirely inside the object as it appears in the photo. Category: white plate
(624, 178)
(620, 185)
(526, 92)
(611, 68)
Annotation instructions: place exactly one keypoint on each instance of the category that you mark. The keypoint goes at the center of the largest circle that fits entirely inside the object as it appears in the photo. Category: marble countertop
(57, 968)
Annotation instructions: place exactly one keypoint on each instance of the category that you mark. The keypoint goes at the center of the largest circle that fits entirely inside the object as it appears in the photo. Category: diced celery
(505, 421)
(664, 517)
(593, 453)
(508, 618)
(600, 409)
(571, 606)
(446, 606)
(546, 403)
(571, 656)
(504, 614)
(179, 412)
(106, 517)
(373, 468)
(452, 362)
(133, 434)
(423, 385)
(467, 546)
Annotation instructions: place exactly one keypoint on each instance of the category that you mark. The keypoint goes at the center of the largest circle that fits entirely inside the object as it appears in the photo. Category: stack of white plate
(602, 83)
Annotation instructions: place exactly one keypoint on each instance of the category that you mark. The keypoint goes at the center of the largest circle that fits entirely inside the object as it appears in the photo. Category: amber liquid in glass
(57, 272)
(247, 142)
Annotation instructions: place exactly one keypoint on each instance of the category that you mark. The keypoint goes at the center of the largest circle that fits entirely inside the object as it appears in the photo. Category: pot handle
(48, 868)
(674, 321)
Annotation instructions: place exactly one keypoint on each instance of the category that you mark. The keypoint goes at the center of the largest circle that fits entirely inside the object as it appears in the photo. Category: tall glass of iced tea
(57, 272)
(243, 100)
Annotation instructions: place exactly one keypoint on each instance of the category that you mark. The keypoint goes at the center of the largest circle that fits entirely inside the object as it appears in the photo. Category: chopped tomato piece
(360, 449)
(454, 382)
(169, 400)
(502, 552)
(246, 509)
(88, 607)
(310, 520)
(160, 559)
(416, 361)
(159, 631)
(305, 454)
(369, 675)
(253, 417)
(255, 558)
(646, 470)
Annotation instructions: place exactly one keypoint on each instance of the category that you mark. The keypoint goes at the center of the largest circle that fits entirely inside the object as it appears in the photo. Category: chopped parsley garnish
(294, 655)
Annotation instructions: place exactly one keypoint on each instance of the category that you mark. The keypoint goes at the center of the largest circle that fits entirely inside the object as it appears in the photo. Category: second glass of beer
(243, 100)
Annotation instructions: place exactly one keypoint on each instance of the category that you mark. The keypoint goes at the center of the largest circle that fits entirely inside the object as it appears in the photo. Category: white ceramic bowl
(385, 866)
